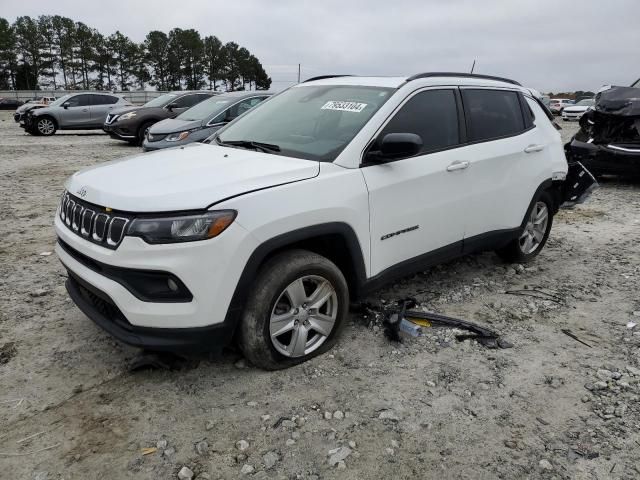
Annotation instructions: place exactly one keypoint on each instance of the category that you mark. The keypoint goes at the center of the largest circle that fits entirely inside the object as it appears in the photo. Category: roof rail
(322, 77)
(463, 75)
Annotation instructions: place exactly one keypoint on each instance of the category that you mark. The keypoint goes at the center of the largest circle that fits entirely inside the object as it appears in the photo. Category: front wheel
(534, 234)
(46, 126)
(142, 132)
(296, 308)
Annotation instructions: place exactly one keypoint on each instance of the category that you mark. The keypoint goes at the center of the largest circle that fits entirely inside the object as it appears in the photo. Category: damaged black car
(608, 141)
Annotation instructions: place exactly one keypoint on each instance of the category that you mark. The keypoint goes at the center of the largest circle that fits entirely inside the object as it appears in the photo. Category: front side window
(314, 122)
(492, 114)
(188, 101)
(79, 101)
(432, 115)
(236, 110)
(161, 101)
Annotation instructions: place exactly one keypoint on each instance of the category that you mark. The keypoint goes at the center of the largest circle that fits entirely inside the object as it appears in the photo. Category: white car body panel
(185, 178)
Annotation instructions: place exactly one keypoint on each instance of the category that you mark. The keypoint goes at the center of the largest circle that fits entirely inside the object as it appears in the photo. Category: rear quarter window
(492, 114)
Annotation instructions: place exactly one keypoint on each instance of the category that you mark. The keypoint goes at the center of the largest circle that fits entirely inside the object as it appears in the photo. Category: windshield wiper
(263, 147)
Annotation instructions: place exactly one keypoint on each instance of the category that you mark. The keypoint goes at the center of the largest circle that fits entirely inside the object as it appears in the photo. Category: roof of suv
(434, 78)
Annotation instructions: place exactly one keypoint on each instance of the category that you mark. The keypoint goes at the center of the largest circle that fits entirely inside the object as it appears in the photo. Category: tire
(520, 250)
(46, 126)
(280, 289)
(142, 132)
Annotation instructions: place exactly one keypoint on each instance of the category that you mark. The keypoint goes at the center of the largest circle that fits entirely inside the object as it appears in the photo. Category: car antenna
(473, 66)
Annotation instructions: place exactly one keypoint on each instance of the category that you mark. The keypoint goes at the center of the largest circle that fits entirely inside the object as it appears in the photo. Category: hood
(29, 106)
(624, 101)
(126, 109)
(185, 178)
(173, 125)
(577, 108)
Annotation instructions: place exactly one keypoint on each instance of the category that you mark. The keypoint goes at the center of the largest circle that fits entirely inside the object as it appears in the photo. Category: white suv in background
(328, 190)
(557, 105)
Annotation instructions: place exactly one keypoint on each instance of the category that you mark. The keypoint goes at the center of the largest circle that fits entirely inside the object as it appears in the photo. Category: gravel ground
(432, 407)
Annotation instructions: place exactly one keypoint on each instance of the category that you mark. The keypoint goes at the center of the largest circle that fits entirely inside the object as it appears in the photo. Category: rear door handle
(457, 166)
(534, 148)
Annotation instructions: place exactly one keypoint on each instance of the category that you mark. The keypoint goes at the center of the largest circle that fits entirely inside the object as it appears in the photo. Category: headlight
(127, 116)
(176, 137)
(184, 228)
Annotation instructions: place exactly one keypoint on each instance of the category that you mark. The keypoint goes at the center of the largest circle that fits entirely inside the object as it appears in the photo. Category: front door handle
(457, 166)
(85, 109)
(533, 148)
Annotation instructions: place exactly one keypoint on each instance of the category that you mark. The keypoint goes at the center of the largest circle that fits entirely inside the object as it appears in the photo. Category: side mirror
(394, 146)
(66, 105)
(171, 106)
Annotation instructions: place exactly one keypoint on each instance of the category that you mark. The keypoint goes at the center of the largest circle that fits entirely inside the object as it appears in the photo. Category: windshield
(211, 107)
(161, 101)
(587, 102)
(310, 122)
(61, 100)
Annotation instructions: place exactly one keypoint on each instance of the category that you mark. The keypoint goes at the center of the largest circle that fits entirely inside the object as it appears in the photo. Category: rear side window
(492, 114)
(433, 115)
(104, 99)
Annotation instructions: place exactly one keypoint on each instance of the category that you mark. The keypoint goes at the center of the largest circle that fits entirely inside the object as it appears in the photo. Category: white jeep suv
(321, 193)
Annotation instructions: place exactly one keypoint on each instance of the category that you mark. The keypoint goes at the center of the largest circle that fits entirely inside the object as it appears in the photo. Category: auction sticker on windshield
(344, 106)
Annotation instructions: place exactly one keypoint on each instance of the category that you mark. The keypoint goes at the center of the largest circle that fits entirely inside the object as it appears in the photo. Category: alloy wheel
(535, 229)
(303, 316)
(46, 126)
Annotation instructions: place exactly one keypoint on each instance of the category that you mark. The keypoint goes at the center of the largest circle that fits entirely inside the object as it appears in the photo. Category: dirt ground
(432, 407)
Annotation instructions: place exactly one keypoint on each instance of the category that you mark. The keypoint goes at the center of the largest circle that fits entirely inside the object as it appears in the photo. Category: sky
(550, 45)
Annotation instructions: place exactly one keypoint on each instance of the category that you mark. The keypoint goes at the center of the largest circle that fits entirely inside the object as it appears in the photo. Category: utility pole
(298, 73)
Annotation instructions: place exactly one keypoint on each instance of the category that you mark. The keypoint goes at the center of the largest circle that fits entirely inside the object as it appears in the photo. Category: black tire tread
(272, 278)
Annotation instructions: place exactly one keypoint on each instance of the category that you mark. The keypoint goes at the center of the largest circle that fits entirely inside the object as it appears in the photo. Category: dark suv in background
(131, 124)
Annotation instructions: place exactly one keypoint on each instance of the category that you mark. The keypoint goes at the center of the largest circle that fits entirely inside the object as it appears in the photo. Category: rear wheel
(46, 126)
(295, 311)
(534, 234)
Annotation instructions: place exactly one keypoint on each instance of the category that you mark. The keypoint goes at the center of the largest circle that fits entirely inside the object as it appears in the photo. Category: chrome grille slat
(91, 222)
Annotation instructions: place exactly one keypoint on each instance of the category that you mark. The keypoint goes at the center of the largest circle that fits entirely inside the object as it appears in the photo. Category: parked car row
(314, 197)
(182, 117)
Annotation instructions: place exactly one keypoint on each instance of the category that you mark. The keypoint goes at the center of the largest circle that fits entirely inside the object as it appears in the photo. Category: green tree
(30, 44)
(50, 54)
(64, 39)
(8, 61)
(156, 45)
(124, 52)
(102, 63)
(186, 51)
(84, 52)
(213, 60)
